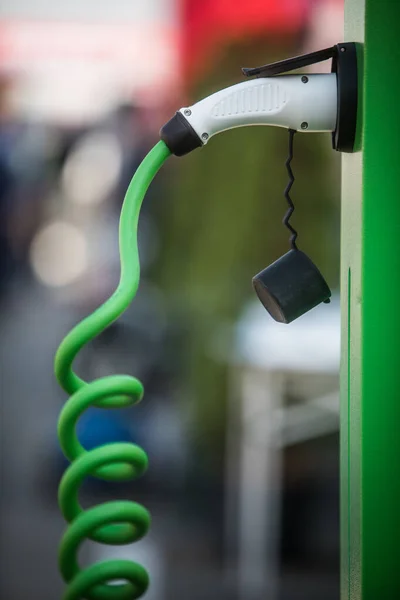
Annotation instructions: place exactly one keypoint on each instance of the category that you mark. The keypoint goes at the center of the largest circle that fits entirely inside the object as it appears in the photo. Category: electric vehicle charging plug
(302, 103)
(306, 103)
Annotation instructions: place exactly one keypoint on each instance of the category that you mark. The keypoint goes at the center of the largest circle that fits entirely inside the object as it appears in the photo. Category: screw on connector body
(304, 79)
(342, 49)
(204, 136)
(304, 125)
(187, 112)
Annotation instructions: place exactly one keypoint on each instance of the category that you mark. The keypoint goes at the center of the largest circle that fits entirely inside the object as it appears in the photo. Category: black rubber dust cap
(291, 286)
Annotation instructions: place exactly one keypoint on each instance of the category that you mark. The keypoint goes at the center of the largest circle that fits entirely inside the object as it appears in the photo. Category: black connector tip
(179, 135)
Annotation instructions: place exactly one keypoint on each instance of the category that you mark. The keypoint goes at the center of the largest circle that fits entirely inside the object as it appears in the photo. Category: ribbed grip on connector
(264, 97)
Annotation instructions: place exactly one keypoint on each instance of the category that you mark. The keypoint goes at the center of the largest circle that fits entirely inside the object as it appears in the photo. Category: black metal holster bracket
(344, 64)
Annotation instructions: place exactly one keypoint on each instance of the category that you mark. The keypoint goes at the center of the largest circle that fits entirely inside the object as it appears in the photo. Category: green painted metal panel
(370, 283)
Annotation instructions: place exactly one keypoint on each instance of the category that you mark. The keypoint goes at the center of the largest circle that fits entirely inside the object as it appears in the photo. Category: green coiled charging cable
(116, 522)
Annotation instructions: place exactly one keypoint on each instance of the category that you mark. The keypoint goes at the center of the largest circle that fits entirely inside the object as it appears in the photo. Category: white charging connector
(317, 102)
(299, 102)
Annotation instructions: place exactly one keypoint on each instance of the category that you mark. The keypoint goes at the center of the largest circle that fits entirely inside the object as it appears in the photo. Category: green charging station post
(370, 286)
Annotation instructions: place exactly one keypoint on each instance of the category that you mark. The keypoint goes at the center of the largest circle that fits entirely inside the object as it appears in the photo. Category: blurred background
(240, 417)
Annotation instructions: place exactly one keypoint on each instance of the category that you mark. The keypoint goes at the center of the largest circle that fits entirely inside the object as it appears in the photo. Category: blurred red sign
(211, 23)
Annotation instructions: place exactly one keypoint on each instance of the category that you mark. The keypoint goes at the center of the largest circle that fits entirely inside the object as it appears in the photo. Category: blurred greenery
(221, 224)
